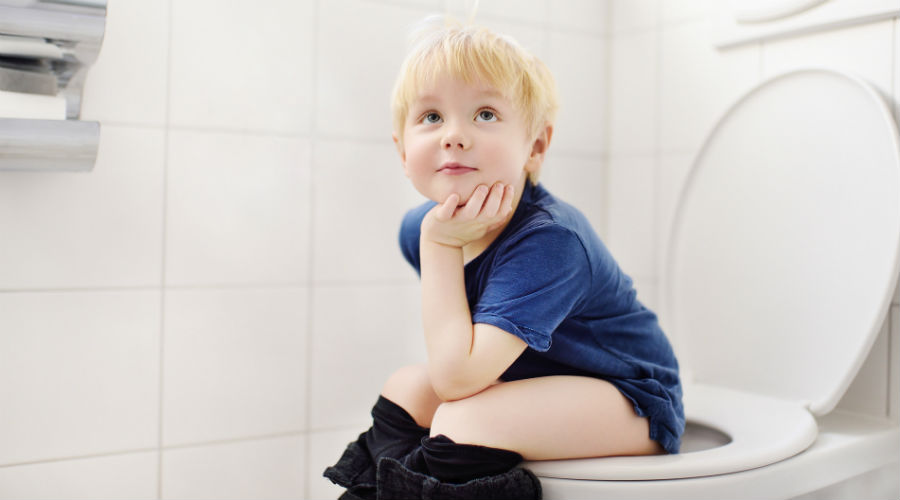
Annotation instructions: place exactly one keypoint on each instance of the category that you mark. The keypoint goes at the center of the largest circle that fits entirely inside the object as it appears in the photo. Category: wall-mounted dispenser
(46, 49)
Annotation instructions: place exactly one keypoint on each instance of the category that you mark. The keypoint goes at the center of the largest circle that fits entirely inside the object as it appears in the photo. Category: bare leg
(410, 388)
(548, 418)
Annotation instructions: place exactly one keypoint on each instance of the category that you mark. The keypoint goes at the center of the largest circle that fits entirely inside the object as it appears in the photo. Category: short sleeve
(410, 230)
(536, 282)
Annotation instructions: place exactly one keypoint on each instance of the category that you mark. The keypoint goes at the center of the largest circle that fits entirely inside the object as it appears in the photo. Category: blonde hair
(442, 47)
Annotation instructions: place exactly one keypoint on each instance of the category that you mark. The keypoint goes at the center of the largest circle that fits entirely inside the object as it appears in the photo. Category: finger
(509, 194)
(476, 201)
(445, 211)
(492, 204)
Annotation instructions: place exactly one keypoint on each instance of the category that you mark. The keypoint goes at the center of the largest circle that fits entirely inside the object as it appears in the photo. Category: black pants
(395, 458)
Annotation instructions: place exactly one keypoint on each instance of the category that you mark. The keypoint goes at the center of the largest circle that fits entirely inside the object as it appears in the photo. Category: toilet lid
(785, 245)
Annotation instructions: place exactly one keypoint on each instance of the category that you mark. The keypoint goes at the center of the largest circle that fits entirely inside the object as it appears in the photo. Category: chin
(440, 194)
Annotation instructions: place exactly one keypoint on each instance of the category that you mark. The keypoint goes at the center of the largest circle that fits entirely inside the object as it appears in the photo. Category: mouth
(453, 168)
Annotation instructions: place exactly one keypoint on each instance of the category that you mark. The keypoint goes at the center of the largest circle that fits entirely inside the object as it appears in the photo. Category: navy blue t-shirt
(549, 280)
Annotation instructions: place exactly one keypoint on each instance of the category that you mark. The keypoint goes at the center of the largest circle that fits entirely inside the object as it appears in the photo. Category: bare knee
(457, 420)
(410, 387)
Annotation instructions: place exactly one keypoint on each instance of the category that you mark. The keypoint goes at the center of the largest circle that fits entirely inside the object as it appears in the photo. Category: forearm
(463, 359)
(446, 317)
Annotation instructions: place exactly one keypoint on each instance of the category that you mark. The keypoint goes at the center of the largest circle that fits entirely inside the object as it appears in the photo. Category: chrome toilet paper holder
(46, 48)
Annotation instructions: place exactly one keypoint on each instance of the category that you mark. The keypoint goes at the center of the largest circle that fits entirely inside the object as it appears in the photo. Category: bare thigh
(548, 418)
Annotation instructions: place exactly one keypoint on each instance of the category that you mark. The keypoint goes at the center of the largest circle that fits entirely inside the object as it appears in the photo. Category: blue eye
(486, 115)
(431, 118)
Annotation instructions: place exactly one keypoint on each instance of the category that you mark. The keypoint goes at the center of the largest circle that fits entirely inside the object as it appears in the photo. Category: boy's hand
(456, 226)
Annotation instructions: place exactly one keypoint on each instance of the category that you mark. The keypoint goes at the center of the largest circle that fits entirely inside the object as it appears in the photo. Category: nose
(455, 139)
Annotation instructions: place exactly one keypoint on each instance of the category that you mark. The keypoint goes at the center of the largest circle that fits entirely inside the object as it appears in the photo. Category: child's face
(458, 136)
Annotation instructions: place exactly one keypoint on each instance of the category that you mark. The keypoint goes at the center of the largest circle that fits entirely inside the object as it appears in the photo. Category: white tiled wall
(211, 312)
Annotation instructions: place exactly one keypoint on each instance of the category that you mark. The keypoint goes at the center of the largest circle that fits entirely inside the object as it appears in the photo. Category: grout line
(138, 288)
(197, 444)
(78, 457)
(242, 439)
(655, 240)
(606, 156)
(326, 282)
(310, 294)
(162, 278)
(239, 131)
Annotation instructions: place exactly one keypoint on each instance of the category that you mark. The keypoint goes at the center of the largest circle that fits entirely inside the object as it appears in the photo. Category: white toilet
(783, 258)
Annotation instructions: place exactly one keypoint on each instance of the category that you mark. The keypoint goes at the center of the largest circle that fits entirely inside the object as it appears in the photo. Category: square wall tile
(131, 476)
(528, 11)
(580, 181)
(634, 93)
(578, 63)
(264, 469)
(127, 83)
(592, 16)
(647, 292)
(234, 363)
(685, 10)
(79, 372)
(632, 214)
(699, 83)
(674, 169)
(838, 49)
(361, 196)
(435, 5)
(531, 37)
(243, 64)
(87, 229)
(325, 448)
(361, 335)
(635, 15)
(354, 75)
(237, 209)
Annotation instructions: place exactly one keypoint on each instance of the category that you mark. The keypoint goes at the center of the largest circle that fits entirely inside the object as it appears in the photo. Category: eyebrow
(486, 92)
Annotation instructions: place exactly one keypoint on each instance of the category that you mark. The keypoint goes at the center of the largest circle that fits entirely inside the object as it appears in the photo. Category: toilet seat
(782, 261)
(779, 430)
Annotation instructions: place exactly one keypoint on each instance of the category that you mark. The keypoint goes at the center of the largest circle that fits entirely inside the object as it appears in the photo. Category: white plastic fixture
(785, 248)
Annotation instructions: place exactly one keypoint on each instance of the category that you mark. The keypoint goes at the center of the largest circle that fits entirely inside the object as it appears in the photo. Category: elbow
(450, 393)
(449, 386)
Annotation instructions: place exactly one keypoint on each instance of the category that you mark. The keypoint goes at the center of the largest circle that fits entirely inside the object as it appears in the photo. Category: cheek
(510, 163)
(416, 156)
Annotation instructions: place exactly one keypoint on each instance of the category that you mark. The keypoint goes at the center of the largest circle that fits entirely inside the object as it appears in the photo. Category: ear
(401, 150)
(539, 148)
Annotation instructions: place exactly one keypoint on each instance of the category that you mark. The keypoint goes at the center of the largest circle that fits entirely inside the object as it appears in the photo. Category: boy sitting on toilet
(538, 348)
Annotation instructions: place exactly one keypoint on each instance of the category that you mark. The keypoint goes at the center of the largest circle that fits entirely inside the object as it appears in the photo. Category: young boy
(537, 346)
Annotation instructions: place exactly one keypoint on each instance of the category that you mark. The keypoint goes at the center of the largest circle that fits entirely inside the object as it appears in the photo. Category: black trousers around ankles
(441, 469)
(449, 462)
(394, 434)
(394, 431)
(396, 458)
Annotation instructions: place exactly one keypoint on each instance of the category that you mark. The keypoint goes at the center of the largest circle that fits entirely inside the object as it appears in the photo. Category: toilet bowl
(781, 264)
